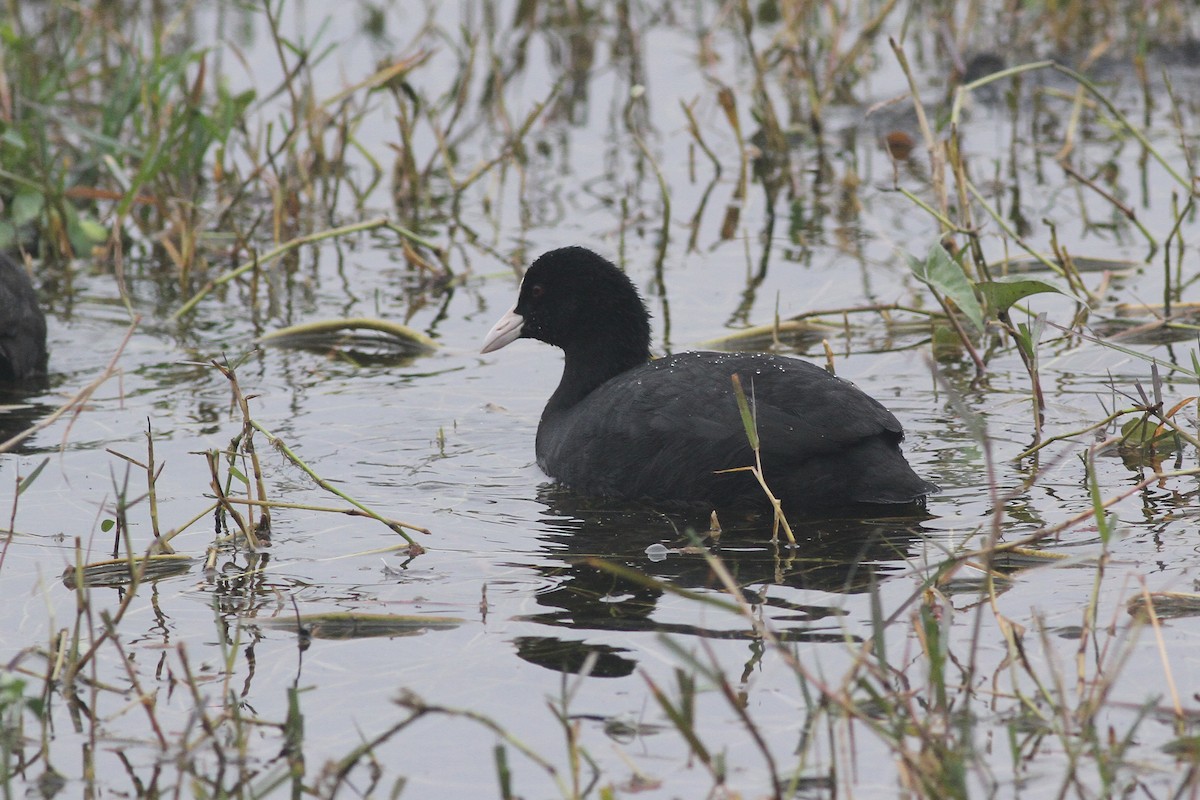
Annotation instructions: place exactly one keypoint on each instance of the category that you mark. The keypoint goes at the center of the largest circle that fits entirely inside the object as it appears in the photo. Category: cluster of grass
(114, 139)
(117, 141)
(108, 131)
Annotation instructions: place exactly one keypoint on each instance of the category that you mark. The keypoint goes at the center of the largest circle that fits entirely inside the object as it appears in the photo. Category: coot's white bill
(506, 330)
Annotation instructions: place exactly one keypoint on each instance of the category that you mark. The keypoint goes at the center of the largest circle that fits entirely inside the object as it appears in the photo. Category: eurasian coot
(622, 425)
(22, 326)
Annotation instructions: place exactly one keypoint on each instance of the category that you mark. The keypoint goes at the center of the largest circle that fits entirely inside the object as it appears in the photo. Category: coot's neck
(590, 364)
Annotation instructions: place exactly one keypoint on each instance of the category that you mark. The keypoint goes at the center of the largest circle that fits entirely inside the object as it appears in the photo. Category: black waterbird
(622, 425)
(22, 326)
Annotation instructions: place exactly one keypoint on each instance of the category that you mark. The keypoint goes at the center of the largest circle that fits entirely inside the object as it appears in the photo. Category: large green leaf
(1002, 294)
(1145, 433)
(26, 206)
(84, 232)
(940, 272)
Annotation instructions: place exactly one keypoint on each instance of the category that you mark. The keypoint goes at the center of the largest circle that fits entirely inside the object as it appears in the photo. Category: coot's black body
(620, 425)
(22, 326)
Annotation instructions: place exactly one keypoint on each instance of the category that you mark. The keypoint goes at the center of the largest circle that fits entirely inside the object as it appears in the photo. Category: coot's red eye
(536, 291)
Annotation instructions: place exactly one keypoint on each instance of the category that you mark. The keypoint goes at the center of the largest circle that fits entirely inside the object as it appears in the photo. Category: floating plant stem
(262, 258)
(1125, 210)
(936, 156)
(395, 525)
(1041, 258)
(962, 91)
(1129, 126)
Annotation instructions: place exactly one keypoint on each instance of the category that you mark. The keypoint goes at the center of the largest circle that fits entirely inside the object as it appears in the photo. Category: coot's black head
(574, 299)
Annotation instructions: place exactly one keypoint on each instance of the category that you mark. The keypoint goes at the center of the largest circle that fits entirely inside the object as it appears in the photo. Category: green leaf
(940, 272)
(744, 409)
(25, 207)
(107, 525)
(237, 473)
(84, 232)
(1002, 294)
(1104, 525)
(93, 230)
(8, 235)
(28, 480)
(12, 691)
(1185, 747)
(12, 137)
(1140, 432)
(1029, 335)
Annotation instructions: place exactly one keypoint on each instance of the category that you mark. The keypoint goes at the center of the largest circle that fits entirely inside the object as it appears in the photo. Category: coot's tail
(873, 472)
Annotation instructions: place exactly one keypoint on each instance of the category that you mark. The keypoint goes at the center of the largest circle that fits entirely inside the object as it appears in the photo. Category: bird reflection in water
(844, 556)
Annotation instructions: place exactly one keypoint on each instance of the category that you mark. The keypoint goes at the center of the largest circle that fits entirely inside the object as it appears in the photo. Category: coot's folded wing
(801, 410)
